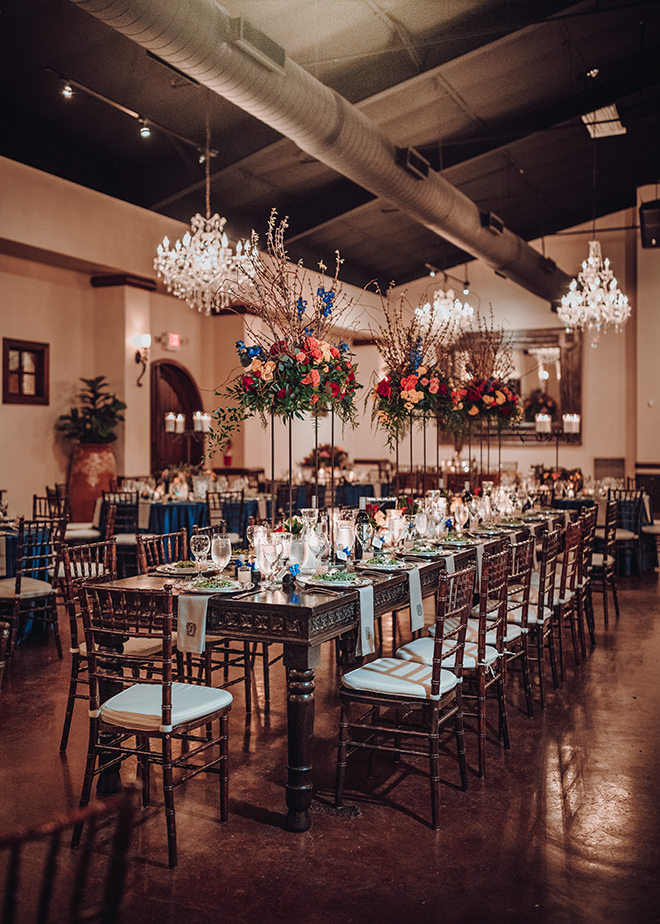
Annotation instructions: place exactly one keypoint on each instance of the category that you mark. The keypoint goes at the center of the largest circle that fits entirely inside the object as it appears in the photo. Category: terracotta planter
(92, 467)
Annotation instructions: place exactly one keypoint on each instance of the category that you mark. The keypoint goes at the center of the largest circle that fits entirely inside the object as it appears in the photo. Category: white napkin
(480, 556)
(144, 509)
(3, 555)
(191, 623)
(415, 596)
(262, 509)
(365, 642)
(450, 563)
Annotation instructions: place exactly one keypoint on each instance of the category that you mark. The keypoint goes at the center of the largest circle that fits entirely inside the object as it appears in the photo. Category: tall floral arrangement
(485, 365)
(294, 363)
(414, 350)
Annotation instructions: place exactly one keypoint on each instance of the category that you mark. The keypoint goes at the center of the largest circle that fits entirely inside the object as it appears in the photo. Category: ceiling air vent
(492, 222)
(256, 44)
(412, 161)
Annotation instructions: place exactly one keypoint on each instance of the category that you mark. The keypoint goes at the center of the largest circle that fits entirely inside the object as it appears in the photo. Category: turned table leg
(300, 663)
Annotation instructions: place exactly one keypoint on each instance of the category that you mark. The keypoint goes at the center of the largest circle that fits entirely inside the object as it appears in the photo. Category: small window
(24, 372)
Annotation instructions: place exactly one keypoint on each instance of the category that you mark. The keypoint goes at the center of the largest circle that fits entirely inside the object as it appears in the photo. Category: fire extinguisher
(227, 455)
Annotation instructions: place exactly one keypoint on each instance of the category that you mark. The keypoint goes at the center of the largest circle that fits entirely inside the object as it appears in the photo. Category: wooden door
(173, 389)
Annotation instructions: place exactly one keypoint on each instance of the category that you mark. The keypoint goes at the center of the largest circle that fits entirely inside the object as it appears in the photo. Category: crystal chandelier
(202, 269)
(594, 299)
(445, 307)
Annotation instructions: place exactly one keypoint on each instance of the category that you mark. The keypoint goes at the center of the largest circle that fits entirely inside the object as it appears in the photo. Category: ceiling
(490, 92)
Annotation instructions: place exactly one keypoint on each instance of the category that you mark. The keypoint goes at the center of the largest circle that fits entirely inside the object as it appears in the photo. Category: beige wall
(64, 233)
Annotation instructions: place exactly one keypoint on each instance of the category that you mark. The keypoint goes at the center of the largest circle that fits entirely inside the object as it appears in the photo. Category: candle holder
(568, 432)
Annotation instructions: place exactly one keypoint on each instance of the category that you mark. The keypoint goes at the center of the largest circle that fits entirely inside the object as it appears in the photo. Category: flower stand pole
(273, 489)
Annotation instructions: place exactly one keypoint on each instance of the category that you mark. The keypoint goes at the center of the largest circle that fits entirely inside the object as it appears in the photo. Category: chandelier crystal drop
(594, 299)
(445, 307)
(202, 269)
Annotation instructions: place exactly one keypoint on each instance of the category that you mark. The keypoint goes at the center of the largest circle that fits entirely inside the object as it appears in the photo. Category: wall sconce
(142, 356)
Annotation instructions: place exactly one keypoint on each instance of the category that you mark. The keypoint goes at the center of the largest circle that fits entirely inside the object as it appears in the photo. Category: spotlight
(466, 287)
(67, 90)
(593, 73)
(145, 131)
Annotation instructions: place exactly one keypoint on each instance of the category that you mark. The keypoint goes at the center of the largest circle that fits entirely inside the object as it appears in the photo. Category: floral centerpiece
(415, 384)
(326, 456)
(486, 361)
(292, 366)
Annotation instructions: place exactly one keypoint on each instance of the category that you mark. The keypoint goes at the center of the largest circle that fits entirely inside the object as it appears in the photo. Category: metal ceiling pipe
(197, 37)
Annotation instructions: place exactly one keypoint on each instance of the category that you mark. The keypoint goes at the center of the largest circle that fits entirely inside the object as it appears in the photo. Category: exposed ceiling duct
(248, 69)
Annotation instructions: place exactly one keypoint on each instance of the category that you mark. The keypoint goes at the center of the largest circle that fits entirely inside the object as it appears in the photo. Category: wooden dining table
(302, 620)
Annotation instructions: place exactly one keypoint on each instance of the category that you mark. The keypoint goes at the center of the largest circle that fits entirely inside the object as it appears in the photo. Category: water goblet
(421, 523)
(221, 551)
(461, 516)
(271, 550)
(199, 546)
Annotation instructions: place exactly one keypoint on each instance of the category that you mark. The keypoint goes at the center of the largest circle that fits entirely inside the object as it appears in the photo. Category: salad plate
(217, 586)
(334, 579)
(382, 563)
(179, 568)
(423, 551)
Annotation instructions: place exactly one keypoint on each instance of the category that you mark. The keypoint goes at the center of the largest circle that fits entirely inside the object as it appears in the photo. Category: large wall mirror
(547, 374)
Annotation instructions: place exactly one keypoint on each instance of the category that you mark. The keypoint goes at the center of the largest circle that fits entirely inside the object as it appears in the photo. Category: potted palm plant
(92, 424)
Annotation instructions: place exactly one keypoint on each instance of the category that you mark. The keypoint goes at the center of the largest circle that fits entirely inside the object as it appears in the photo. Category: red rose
(281, 395)
(334, 389)
(505, 411)
(384, 389)
(473, 395)
(248, 382)
(279, 347)
(443, 389)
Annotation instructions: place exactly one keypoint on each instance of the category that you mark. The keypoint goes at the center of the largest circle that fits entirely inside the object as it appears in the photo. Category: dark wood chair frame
(565, 599)
(80, 563)
(36, 881)
(478, 681)
(385, 722)
(604, 575)
(37, 557)
(163, 549)
(111, 616)
(584, 597)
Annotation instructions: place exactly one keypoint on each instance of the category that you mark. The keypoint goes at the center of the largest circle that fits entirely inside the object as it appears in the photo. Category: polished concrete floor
(564, 830)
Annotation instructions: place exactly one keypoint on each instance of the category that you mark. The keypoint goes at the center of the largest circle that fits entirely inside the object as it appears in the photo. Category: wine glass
(461, 516)
(199, 546)
(221, 551)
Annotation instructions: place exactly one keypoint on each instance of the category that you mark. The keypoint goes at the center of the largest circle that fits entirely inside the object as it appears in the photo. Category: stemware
(199, 546)
(221, 551)
(271, 550)
(461, 516)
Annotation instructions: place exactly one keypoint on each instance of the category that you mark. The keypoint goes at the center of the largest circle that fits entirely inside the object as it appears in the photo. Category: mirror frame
(570, 345)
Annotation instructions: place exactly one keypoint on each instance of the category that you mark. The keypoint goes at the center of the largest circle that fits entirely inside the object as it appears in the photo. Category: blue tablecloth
(170, 518)
(572, 503)
(11, 543)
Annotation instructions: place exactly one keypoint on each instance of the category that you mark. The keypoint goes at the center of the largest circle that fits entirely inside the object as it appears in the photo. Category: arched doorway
(173, 389)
